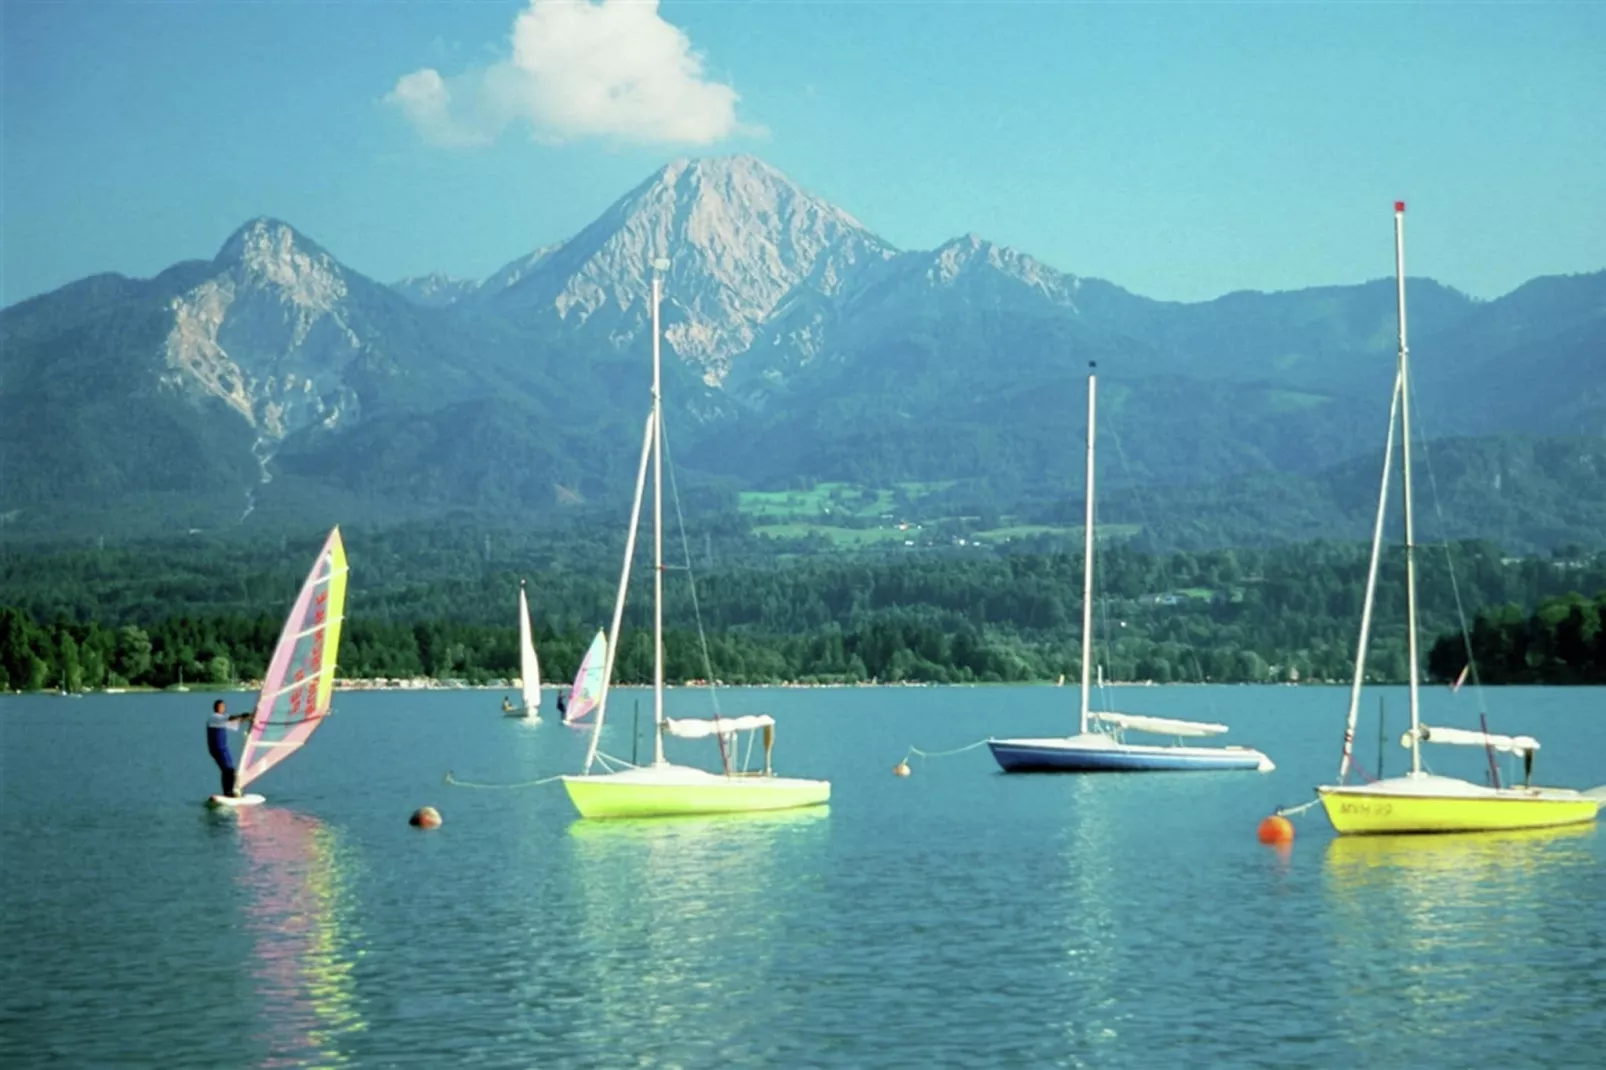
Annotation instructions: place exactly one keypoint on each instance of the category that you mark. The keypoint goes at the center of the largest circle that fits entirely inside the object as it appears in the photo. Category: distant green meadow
(848, 517)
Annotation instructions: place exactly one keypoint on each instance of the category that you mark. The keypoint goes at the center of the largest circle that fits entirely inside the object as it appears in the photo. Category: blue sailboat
(1100, 744)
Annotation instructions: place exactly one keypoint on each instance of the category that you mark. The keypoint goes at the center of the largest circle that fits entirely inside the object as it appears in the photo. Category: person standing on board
(218, 727)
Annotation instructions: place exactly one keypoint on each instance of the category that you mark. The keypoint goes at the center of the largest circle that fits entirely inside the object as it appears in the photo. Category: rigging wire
(1449, 560)
(696, 607)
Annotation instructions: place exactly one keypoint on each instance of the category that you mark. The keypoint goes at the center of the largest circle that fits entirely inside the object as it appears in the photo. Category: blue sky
(1180, 150)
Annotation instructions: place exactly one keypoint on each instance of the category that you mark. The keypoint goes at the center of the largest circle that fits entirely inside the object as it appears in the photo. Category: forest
(439, 602)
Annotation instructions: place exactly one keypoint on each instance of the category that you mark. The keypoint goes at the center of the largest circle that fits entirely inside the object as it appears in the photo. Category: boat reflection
(678, 919)
(1420, 923)
(1447, 866)
(1091, 927)
(304, 937)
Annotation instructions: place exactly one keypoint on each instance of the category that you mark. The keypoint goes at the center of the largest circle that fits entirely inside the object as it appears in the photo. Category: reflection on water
(1090, 925)
(678, 914)
(1428, 921)
(300, 920)
(1423, 861)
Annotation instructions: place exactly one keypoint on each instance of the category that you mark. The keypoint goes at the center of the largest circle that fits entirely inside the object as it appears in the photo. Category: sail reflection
(1428, 919)
(678, 915)
(304, 937)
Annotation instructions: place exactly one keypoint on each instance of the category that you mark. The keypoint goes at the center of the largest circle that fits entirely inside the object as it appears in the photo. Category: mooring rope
(450, 779)
(1294, 811)
(944, 753)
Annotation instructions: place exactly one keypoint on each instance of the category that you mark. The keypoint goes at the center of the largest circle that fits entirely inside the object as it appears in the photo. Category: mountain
(435, 290)
(191, 384)
(275, 382)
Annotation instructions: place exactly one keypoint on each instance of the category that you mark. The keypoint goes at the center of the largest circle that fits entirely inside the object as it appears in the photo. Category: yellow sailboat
(664, 789)
(1422, 801)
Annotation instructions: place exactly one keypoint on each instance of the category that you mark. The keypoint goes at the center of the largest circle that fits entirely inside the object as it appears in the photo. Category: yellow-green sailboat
(663, 789)
(1421, 801)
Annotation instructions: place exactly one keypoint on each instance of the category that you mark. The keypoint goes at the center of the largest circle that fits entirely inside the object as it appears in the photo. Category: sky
(1181, 150)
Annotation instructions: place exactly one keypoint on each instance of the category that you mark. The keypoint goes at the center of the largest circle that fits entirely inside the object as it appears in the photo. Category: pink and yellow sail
(587, 690)
(301, 677)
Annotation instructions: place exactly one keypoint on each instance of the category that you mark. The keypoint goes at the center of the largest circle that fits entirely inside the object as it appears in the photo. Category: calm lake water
(956, 918)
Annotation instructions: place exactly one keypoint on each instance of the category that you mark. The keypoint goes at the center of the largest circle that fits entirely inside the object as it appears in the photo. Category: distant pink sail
(300, 679)
(587, 690)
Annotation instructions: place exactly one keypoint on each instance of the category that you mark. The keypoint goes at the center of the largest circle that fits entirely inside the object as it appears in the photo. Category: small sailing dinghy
(300, 679)
(587, 689)
(1100, 744)
(1422, 801)
(663, 789)
(529, 706)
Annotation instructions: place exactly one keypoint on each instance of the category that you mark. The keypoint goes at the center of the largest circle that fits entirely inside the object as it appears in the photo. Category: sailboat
(300, 679)
(663, 789)
(529, 668)
(1422, 801)
(587, 689)
(1100, 744)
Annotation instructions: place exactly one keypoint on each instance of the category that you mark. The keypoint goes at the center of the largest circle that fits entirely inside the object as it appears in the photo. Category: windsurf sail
(301, 677)
(529, 667)
(587, 690)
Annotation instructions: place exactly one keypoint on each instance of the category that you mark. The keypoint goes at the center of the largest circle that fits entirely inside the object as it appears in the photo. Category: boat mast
(659, 266)
(1371, 587)
(1087, 547)
(612, 648)
(1405, 460)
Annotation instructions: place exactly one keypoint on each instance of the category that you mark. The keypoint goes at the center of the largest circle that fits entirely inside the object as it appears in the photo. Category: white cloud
(613, 69)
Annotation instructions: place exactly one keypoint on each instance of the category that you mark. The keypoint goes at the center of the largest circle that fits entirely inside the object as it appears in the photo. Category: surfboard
(234, 802)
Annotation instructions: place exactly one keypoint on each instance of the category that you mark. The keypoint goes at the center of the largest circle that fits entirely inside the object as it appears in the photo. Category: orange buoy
(425, 817)
(901, 769)
(1276, 829)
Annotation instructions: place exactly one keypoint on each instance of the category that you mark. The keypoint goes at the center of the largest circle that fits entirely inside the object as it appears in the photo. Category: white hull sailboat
(299, 684)
(1422, 801)
(529, 706)
(663, 789)
(1100, 744)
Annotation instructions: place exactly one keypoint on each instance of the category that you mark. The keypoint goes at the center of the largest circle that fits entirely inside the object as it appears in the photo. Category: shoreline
(247, 687)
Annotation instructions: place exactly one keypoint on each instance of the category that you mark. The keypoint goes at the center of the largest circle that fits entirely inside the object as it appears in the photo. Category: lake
(956, 918)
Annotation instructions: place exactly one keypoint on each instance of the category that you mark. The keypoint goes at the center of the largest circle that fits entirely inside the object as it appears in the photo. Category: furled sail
(695, 728)
(1464, 738)
(1161, 726)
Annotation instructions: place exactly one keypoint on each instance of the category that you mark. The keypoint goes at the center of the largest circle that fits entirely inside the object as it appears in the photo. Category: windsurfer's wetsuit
(218, 727)
(563, 706)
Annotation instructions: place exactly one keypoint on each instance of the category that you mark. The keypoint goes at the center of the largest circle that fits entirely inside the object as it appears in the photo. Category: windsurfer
(563, 703)
(218, 726)
(507, 707)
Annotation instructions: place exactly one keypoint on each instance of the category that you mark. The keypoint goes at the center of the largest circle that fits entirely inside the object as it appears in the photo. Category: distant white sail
(529, 667)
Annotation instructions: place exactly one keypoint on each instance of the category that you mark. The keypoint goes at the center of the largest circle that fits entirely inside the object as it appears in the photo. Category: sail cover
(529, 668)
(295, 693)
(1160, 726)
(694, 728)
(1462, 737)
(587, 691)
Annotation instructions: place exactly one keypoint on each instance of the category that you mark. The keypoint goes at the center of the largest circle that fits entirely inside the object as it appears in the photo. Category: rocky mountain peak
(269, 334)
(956, 258)
(271, 254)
(740, 237)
